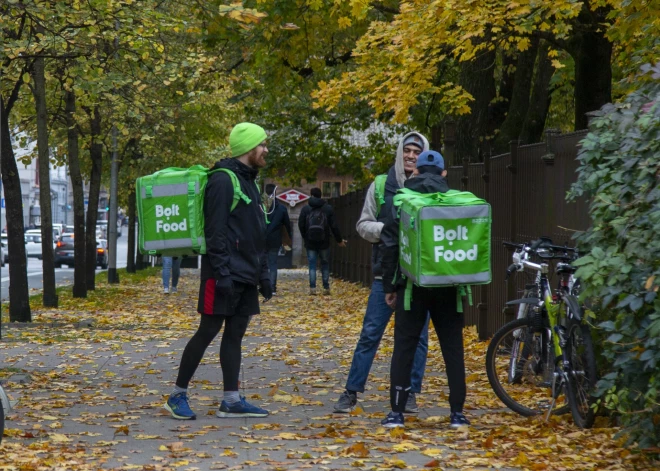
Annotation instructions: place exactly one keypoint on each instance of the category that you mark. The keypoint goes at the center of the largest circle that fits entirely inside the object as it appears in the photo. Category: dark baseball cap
(414, 139)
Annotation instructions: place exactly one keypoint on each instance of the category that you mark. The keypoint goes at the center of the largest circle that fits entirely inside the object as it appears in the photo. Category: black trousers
(408, 325)
(230, 348)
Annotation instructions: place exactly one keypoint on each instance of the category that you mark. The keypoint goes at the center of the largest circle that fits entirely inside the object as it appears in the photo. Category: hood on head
(398, 164)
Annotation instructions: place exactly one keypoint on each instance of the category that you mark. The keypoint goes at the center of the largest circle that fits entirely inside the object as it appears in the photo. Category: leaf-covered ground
(91, 376)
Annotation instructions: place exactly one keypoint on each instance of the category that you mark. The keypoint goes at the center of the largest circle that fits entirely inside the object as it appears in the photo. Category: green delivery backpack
(444, 240)
(170, 205)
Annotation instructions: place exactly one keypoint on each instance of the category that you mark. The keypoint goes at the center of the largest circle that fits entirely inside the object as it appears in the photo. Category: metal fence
(527, 190)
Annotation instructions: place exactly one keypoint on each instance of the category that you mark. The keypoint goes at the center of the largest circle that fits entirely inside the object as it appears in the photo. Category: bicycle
(545, 357)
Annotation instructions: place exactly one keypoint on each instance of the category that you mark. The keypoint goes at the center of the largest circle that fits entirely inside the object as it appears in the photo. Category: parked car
(64, 251)
(102, 253)
(33, 244)
(5, 251)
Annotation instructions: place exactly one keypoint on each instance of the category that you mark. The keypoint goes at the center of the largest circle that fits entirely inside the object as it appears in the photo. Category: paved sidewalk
(91, 397)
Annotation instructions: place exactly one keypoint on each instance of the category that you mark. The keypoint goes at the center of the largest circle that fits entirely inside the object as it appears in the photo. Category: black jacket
(389, 237)
(277, 218)
(235, 240)
(391, 187)
(315, 203)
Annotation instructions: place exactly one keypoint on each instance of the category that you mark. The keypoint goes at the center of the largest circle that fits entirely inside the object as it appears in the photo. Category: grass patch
(99, 297)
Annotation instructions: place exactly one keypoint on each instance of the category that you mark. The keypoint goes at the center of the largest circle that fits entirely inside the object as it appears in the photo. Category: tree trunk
(19, 305)
(505, 90)
(79, 282)
(592, 53)
(473, 130)
(47, 253)
(522, 85)
(539, 103)
(96, 155)
(130, 256)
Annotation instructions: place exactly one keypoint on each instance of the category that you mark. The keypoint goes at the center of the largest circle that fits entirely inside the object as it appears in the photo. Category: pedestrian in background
(316, 223)
(171, 266)
(278, 220)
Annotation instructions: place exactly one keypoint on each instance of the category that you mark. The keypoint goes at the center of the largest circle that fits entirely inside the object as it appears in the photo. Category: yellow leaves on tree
(398, 62)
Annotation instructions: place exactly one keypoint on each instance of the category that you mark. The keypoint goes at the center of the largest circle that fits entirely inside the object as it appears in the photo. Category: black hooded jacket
(315, 203)
(235, 240)
(278, 217)
(389, 237)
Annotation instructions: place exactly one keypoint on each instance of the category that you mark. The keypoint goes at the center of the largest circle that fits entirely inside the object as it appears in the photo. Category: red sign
(293, 197)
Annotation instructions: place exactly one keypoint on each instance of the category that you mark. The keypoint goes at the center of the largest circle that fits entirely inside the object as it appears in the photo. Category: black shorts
(245, 300)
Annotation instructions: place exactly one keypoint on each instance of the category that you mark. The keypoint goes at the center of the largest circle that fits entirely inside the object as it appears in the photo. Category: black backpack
(316, 225)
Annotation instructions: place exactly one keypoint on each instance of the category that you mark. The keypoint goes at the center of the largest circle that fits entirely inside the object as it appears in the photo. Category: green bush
(620, 173)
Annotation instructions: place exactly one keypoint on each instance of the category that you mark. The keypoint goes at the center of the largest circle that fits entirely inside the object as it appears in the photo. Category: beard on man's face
(256, 158)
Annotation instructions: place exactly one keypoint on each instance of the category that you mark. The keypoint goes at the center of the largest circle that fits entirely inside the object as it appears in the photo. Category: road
(63, 276)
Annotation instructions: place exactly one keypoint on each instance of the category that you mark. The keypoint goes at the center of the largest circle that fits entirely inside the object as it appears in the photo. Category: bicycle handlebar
(540, 244)
(534, 247)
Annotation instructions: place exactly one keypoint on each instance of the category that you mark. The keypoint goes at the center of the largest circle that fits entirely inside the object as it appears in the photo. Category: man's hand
(224, 287)
(342, 243)
(266, 289)
(390, 299)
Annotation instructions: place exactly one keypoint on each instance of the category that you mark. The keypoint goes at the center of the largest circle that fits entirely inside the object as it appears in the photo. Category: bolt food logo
(405, 248)
(451, 235)
(167, 213)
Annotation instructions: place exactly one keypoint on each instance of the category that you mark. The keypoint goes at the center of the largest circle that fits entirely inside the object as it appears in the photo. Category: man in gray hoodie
(378, 313)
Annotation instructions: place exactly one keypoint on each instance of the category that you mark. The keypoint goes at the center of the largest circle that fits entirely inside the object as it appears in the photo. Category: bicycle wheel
(520, 348)
(582, 373)
(529, 392)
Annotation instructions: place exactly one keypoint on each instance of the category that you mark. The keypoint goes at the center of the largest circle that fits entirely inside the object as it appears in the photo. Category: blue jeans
(375, 321)
(272, 267)
(312, 257)
(173, 266)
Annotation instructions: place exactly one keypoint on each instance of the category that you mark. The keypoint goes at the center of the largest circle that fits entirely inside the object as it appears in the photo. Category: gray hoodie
(369, 226)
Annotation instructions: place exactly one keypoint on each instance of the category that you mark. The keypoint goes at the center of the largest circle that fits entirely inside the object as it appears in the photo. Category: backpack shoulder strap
(238, 193)
(379, 191)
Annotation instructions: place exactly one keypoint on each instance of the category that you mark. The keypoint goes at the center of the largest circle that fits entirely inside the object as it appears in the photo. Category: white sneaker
(166, 290)
(174, 290)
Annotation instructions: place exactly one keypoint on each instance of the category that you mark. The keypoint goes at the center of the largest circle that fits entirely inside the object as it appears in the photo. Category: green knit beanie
(245, 137)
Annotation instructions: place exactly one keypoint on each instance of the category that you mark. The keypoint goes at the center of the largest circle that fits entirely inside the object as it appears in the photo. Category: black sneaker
(458, 420)
(393, 420)
(346, 403)
(411, 404)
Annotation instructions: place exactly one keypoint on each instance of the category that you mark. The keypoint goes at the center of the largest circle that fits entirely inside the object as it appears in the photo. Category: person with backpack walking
(278, 220)
(234, 271)
(377, 205)
(440, 303)
(316, 222)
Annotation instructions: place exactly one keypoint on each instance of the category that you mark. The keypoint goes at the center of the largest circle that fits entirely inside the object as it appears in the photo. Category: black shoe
(458, 420)
(346, 403)
(411, 404)
(393, 420)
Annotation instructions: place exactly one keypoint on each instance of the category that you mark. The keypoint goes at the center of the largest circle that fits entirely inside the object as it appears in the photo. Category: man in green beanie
(234, 272)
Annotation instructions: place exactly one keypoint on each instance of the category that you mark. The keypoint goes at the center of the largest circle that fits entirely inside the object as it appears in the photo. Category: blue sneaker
(177, 405)
(241, 409)
(393, 420)
(458, 420)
